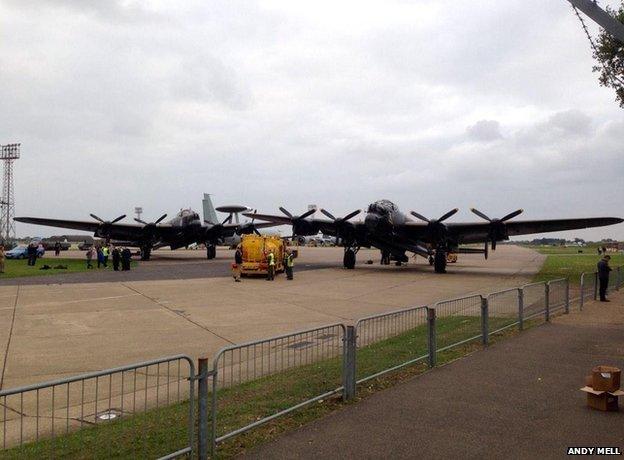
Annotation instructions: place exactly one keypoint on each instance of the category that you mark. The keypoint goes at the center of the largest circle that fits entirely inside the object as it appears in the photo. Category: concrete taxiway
(181, 303)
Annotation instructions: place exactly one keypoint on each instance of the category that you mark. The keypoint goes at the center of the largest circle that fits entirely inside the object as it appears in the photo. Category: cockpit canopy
(382, 207)
(188, 214)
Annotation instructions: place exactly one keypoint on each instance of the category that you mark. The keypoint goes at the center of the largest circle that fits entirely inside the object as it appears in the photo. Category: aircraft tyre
(431, 260)
(349, 259)
(211, 251)
(440, 262)
(146, 253)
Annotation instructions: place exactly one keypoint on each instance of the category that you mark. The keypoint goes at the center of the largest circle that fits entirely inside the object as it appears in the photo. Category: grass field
(567, 262)
(18, 268)
(161, 431)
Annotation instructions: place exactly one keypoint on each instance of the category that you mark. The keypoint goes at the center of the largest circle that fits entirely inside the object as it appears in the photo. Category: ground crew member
(289, 262)
(105, 254)
(2, 257)
(57, 248)
(116, 258)
(271, 264)
(603, 277)
(126, 255)
(238, 262)
(90, 254)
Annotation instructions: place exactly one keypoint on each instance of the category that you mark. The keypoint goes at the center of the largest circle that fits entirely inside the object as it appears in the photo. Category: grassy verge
(18, 268)
(161, 431)
(569, 263)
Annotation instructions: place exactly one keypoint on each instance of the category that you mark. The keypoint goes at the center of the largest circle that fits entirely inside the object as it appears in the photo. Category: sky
(433, 104)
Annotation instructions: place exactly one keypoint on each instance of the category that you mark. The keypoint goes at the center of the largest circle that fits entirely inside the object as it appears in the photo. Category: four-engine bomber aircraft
(394, 233)
(184, 229)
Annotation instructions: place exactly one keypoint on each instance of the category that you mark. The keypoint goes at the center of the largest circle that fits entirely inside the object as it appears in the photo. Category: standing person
(238, 262)
(271, 266)
(603, 276)
(32, 253)
(2, 257)
(90, 253)
(126, 256)
(116, 258)
(105, 254)
(289, 263)
(57, 248)
(100, 256)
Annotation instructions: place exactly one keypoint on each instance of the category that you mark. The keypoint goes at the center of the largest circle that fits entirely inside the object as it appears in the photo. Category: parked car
(18, 252)
(21, 252)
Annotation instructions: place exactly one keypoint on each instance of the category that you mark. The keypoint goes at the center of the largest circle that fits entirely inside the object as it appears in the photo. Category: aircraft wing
(275, 220)
(479, 231)
(116, 231)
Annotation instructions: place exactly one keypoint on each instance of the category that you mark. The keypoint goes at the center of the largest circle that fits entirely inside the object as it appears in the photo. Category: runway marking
(177, 313)
(6, 350)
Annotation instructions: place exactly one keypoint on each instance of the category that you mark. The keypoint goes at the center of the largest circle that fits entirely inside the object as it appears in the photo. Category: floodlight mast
(600, 17)
(8, 154)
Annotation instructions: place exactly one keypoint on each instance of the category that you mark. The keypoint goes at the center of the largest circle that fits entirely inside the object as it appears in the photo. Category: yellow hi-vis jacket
(271, 258)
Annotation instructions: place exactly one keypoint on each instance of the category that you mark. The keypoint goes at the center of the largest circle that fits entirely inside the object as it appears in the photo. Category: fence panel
(534, 306)
(503, 310)
(615, 279)
(141, 410)
(390, 341)
(588, 286)
(558, 295)
(274, 377)
(458, 321)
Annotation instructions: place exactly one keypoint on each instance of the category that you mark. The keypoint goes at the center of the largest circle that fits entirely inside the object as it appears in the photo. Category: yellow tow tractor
(255, 249)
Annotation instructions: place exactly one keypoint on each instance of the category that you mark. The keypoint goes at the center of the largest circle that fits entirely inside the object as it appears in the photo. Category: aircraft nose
(371, 221)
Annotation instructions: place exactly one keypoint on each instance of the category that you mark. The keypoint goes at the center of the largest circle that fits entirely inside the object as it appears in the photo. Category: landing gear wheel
(440, 262)
(431, 260)
(211, 251)
(349, 259)
(385, 258)
(146, 253)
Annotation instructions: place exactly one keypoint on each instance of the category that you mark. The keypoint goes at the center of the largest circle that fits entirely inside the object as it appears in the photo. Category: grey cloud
(485, 131)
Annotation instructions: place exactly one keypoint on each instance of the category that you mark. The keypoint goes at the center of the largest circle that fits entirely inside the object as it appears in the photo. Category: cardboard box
(606, 378)
(602, 400)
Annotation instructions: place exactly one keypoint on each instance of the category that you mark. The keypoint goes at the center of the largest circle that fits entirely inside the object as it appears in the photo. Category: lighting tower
(8, 153)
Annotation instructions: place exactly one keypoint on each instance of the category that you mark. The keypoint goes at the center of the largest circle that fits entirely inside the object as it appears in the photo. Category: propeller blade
(419, 216)
(480, 214)
(160, 218)
(351, 215)
(328, 214)
(123, 216)
(227, 220)
(256, 231)
(448, 214)
(140, 221)
(96, 217)
(486, 250)
(286, 212)
(493, 244)
(306, 214)
(511, 215)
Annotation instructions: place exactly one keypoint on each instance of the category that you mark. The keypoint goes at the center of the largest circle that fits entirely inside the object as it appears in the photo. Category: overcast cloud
(433, 104)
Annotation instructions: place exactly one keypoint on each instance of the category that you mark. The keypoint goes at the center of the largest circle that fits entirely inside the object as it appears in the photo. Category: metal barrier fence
(558, 295)
(269, 362)
(535, 300)
(589, 283)
(381, 341)
(504, 310)
(458, 321)
(125, 399)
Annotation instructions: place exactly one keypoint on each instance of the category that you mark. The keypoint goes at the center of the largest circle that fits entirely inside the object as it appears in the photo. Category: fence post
(520, 309)
(484, 321)
(348, 363)
(582, 291)
(202, 396)
(595, 285)
(567, 296)
(431, 336)
(547, 300)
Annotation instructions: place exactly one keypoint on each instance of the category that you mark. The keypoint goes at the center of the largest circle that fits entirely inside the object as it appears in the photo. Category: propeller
(300, 225)
(105, 225)
(248, 227)
(342, 223)
(497, 226)
(156, 222)
(436, 227)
